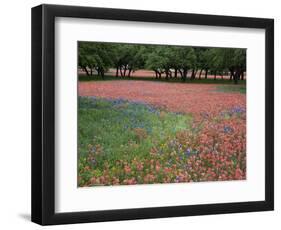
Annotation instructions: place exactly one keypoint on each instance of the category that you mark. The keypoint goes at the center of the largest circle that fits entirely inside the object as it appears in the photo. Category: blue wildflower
(187, 152)
(237, 109)
(227, 129)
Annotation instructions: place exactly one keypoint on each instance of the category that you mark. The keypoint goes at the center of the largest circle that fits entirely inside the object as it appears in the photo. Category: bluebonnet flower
(237, 109)
(187, 152)
(227, 129)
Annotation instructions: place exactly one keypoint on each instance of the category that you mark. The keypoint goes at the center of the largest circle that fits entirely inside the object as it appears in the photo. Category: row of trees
(166, 61)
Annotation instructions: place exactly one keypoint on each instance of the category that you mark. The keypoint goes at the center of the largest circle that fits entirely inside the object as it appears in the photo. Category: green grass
(120, 129)
(84, 78)
(232, 88)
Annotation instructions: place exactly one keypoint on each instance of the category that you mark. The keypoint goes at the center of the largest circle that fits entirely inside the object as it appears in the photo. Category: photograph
(140, 114)
(160, 114)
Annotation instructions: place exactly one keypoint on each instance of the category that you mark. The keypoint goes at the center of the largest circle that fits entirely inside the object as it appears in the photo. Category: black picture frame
(43, 114)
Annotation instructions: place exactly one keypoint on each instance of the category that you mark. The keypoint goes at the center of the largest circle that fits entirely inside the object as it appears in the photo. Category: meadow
(144, 132)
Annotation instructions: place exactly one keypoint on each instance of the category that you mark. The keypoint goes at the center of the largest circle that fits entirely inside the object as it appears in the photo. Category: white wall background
(15, 113)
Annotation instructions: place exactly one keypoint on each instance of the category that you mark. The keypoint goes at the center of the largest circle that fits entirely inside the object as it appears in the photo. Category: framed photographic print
(142, 114)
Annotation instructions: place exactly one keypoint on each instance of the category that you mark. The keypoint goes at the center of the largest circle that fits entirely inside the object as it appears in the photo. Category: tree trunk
(184, 74)
(121, 72)
(195, 73)
(117, 72)
(87, 72)
(200, 74)
(215, 75)
(192, 74)
(129, 73)
(176, 73)
(91, 71)
(236, 76)
(167, 74)
(206, 73)
(125, 70)
(181, 73)
(231, 74)
(170, 73)
(235, 79)
(242, 75)
(102, 73)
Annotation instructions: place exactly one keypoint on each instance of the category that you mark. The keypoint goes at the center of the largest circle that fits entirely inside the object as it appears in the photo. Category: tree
(95, 56)
(187, 60)
(205, 60)
(216, 61)
(83, 57)
(167, 53)
(127, 58)
(197, 63)
(239, 63)
(202, 61)
(234, 60)
(155, 61)
(165, 58)
(175, 59)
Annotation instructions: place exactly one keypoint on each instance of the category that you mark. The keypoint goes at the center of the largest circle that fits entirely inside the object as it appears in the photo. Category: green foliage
(94, 56)
(119, 129)
(156, 60)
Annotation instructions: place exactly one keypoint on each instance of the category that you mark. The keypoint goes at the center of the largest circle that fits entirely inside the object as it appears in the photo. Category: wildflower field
(143, 132)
